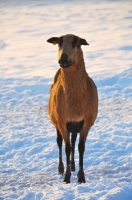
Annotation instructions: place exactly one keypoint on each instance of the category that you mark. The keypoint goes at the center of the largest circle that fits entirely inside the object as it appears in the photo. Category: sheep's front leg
(73, 140)
(81, 148)
(59, 143)
(68, 169)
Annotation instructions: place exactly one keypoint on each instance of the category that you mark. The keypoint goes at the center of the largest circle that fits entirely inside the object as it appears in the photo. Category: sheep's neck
(74, 79)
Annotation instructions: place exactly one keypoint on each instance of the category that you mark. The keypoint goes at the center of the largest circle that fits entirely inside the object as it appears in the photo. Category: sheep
(73, 102)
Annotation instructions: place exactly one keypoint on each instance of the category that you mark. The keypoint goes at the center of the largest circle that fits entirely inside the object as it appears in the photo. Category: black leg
(81, 148)
(73, 140)
(59, 143)
(68, 170)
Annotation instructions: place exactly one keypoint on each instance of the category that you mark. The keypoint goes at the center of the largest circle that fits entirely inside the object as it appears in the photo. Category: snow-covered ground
(28, 150)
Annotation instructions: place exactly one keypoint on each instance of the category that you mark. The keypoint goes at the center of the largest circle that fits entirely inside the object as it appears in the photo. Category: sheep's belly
(74, 127)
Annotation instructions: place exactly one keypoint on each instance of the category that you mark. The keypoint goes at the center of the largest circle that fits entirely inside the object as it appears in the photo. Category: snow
(28, 150)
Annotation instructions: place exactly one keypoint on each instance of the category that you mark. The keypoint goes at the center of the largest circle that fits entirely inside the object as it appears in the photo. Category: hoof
(67, 177)
(61, 168)
(72, 166)
(81, 177)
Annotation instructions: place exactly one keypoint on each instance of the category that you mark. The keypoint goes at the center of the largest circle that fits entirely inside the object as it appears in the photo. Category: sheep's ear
(53, 40)
(83, 42)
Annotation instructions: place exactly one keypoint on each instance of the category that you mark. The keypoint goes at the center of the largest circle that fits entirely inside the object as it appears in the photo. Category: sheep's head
(69, 47)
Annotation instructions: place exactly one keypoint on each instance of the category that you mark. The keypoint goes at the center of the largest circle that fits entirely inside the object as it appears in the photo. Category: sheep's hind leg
(68, 169)
(81, 148)
(73, 140)
(59, 143)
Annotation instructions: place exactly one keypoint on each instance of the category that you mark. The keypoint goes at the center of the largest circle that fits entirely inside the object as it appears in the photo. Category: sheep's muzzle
(64, 61)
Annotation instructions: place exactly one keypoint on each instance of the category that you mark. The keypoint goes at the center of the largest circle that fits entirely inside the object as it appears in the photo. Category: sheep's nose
(64, 58)
(64, 61)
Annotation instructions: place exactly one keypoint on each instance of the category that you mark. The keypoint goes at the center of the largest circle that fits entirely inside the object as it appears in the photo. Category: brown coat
(73, 98)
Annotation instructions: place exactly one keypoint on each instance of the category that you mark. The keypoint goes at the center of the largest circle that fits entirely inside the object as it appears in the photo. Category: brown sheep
(73, 102)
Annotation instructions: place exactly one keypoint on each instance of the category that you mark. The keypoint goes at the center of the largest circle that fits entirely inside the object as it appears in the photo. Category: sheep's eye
(78, 44)
(75, 42)
(60, 41)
